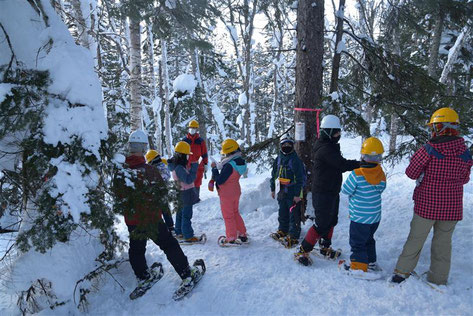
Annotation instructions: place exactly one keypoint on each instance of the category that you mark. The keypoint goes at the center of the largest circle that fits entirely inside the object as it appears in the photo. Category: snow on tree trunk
(82, 27)
(167, 114)
(338, 53)
(309, 58)
(394, 131)
(455, 51)
(434, 49)
(156, 104)
(135, 75)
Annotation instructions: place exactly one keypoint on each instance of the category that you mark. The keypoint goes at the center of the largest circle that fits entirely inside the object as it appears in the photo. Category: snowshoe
(194, 240)
(223, 242)
(329, 253)
(289, 242)
(303, 258)
(156, 272)
(423, 279)
(278, 235)
(187, 285)
(358, 274)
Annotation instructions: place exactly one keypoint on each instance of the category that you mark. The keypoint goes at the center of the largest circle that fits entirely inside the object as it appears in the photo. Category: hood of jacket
(373, 175)
(450, 146)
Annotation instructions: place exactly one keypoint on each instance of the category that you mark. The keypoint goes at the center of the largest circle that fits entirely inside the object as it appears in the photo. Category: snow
(53, 49)
(242, 100)
(5, 90)
(263, 277)
(341, 47)
(185, 83)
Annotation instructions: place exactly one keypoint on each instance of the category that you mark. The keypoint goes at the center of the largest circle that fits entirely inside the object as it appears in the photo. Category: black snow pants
(164, 239)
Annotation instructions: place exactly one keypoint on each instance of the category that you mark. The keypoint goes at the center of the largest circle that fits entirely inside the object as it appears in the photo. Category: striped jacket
(364, 187)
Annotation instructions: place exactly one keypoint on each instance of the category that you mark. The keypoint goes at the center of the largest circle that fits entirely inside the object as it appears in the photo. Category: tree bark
(135, 76)
(309, 58)
(167, 116)
(434, 49)
(337, 54)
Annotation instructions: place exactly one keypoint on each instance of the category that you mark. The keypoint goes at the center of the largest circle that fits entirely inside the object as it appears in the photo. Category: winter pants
(290, 221)
(168, 219)
(161, 237)
(183, 222)
(326, 218)
(362, 243)
(234, 225)
(440, 253)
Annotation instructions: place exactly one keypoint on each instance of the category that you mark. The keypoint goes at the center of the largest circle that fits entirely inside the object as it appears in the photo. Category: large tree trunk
(309, 57)
(337, 54)
(434, 49)
(135, 76)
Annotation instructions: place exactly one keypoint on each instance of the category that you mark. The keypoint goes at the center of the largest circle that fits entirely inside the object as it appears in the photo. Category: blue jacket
(364, 187)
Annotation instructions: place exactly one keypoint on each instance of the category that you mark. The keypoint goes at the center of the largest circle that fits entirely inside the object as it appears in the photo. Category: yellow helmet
(372, 146)
(150, 155)
(193, 124)
(183, 148)
(444, 115)
(229, 146)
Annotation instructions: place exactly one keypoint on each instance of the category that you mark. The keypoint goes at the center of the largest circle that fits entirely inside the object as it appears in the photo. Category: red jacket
(198, 149)
(445, 164)
(145, 212)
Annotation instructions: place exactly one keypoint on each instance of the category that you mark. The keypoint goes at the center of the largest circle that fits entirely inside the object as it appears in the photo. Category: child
(327, 169)
(441, 167)
(364, 187)
(289, 171)
(154, 159)
(229, 191)
(185, 176)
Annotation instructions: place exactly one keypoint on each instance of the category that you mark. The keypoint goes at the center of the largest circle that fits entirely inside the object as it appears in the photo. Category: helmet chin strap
(324, 130)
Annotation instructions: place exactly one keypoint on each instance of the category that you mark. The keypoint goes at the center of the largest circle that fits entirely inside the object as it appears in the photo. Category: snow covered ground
(264, 279)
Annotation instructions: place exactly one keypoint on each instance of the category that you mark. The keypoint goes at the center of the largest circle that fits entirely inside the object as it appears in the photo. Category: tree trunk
(135, 76)
(434, 49)
(337, 54)
(309, 58)
(394, 131)
(82, 28)
(167, 118)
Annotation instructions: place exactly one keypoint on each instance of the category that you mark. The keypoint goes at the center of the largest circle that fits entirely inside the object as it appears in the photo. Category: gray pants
(441, 250)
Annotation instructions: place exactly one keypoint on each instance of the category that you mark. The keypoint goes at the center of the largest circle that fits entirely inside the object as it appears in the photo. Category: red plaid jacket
(445, 164)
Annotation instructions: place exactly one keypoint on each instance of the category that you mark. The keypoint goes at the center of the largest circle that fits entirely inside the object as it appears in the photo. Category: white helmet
(138, 136)
(330, 121)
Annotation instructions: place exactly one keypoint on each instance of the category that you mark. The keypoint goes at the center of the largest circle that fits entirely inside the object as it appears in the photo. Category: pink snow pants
(234, 225)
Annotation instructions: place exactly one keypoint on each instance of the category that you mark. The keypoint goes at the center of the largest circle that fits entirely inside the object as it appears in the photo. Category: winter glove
(171, 160)
(211, 185)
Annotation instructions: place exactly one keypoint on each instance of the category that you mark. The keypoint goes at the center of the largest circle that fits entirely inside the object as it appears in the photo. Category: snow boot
(244, 239)
(398, 278)
(303, 257)
(155, 273)
(188, 284)
(194, 240)
(374, 267)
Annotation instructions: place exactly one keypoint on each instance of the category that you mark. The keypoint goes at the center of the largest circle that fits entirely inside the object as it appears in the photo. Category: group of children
(364, 187)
